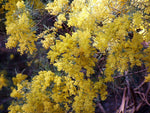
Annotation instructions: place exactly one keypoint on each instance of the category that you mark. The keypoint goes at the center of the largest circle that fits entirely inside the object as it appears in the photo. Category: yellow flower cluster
(57, 6)
(3, 81)
(48, 40)
(51, 93)
(19, 26)
(20, 4)
(19, 78)
(1, 1)
(17, 81)
(1, 8)
(76, 53)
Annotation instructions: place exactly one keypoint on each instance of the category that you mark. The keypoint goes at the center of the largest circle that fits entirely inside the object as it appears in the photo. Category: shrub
(82, 32)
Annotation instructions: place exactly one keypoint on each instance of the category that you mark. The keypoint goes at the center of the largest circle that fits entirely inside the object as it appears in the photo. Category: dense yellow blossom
(14, 108)
(3, 81)
(48, 40)
(16, 94)
(1, 8)
(19, 78)
(57, 6)
(48, 91)
(20, 4)
(19, 26)
(1, 1)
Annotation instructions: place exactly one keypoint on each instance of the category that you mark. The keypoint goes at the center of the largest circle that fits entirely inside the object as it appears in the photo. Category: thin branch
(143, 70)
(101, 107)
(122, 106)
(139, 86)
